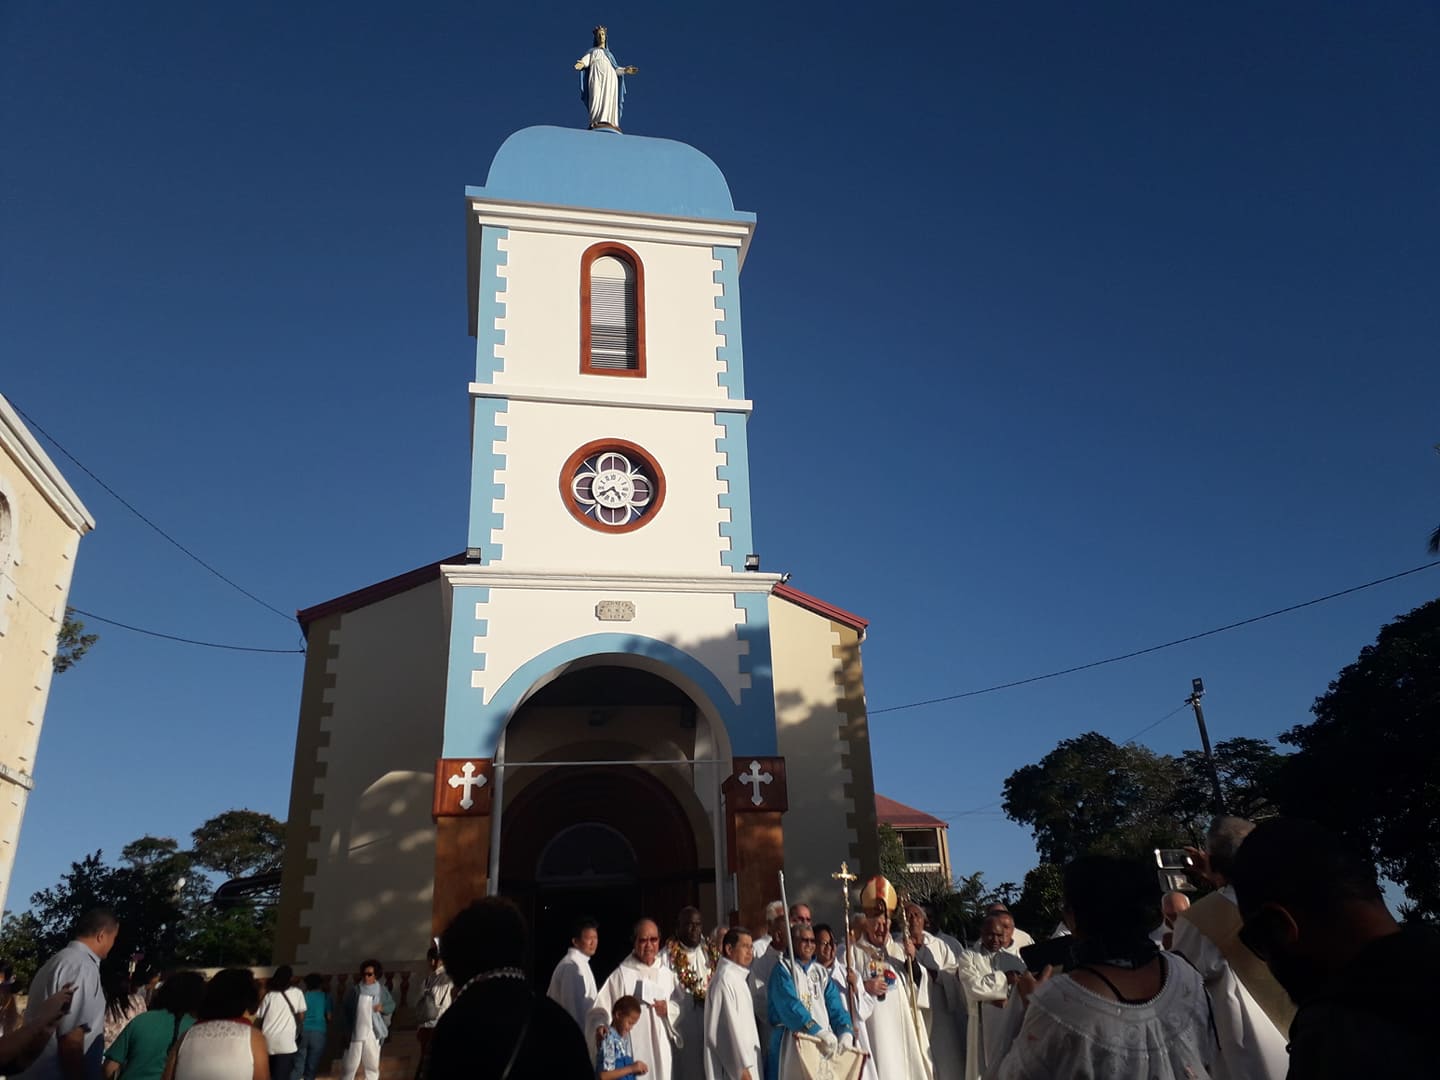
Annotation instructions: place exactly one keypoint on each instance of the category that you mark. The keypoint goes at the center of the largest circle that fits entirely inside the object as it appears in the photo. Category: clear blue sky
(1119, 321)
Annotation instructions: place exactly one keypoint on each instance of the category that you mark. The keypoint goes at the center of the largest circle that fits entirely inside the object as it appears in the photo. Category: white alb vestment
(943, 1005)
(864, 1006)
(690, 1062)
(572, 987)
(1070, 1031)
(1251, 1047)
(993, 1018)
(603, 86)
(654, 1037)
(901, 1051)
(732, 1043)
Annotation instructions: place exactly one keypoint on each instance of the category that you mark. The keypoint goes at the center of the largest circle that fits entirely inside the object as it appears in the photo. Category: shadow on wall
(376, 871)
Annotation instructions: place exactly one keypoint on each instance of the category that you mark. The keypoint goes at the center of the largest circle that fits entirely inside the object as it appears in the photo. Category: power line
(129, 506)
(1156, 648)
(184, 640)
(1148, 727)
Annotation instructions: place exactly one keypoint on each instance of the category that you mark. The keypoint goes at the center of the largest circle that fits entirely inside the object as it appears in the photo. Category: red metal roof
(899, 816)
(820, 607)
(371, 594)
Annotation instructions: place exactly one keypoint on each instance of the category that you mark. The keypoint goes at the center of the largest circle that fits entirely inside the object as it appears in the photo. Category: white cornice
(16, 440)
(628, 225)
(493, 577)
(551, 395)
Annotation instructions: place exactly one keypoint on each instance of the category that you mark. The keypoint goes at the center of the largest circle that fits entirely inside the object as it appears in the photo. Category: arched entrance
(612, 843)
(617, 839)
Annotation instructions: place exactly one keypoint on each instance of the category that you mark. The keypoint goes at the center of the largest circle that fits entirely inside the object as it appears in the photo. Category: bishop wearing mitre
(891, 976)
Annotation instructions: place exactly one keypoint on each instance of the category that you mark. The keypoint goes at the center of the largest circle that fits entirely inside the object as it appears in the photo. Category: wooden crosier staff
(847, 879)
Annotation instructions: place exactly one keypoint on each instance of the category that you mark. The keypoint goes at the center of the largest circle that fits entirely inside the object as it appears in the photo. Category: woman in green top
(312, 1032)
(140, 1051)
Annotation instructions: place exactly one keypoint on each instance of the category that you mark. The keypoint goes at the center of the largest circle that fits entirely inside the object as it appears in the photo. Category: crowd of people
(1290, 965)
(188, 1027)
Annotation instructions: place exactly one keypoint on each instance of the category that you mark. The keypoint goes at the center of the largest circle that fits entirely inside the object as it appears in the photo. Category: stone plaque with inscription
(615, 610)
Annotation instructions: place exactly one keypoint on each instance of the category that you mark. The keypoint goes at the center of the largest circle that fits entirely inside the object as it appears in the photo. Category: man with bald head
(655, 1036)
(986, 974)
(1172, 905)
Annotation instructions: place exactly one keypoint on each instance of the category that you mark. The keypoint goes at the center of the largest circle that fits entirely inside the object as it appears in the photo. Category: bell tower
(609, 521)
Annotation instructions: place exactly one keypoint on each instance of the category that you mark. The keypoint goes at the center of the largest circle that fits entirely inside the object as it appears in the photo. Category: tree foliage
(239, 843)
(1041, 900)
(1368, 765)
(162, 898)
(71, 643)
(1090, 795)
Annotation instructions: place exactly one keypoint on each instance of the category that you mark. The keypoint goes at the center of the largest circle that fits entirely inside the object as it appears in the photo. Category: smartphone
(1173, 859)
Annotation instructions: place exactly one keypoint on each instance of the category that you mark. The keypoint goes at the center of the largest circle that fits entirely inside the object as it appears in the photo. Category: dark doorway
(609, 842)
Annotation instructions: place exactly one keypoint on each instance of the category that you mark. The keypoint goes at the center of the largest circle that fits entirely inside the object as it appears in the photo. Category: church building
(602, 705)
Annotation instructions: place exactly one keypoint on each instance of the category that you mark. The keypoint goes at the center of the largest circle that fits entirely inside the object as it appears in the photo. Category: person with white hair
(773, 910)
(1172, 905)
(764, 964)
(1252, 1011)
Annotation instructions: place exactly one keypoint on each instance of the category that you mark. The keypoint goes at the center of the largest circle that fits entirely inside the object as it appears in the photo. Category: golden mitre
(878, 897)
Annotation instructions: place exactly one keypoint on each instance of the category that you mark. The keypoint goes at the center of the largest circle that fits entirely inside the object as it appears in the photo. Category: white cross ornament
(468, 781)
(754, 778)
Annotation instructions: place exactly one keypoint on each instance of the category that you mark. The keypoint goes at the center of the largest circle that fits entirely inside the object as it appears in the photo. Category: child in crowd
(616, 1059)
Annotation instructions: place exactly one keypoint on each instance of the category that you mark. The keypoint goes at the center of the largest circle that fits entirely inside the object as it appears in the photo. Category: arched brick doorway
(610, 841)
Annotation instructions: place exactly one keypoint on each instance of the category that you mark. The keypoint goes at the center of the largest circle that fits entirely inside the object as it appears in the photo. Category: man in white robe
(774, 911)
(889, 972)
(641, 975)
(938, 995)
(572, 984)
(602, 84)
(1020, 938)
(732, 1044)
(688, 956)
(779, 943)
(1252, 1046)
(986, 974)
(857, 1004)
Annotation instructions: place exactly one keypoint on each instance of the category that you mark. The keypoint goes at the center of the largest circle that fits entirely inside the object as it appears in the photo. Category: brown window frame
(620, 251)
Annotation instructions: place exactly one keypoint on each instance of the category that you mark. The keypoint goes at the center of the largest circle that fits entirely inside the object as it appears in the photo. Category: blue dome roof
(605, 170)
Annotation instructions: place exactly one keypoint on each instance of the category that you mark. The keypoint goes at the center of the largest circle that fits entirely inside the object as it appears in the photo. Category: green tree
(149, 851)
(1090, 795)
(1249, 770)
(71, 643)
(239, 843)
(21, 943)
(1368, 765)
(1042, 900)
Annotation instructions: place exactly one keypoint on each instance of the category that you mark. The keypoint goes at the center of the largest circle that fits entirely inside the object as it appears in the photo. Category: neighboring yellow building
(41, 522)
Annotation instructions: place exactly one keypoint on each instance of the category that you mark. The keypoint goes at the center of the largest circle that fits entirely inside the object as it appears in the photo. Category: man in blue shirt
(813, 1007)
(77, 1051)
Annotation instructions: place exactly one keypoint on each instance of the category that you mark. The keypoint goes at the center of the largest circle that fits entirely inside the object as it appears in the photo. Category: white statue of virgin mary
(602, 83)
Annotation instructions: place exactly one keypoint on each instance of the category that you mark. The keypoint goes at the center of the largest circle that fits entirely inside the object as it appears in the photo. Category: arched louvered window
(612, 311)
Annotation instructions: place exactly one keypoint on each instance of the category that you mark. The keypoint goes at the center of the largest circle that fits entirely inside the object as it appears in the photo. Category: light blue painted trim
(732, 353)
(491, 305)
(473, 728)
(734, 444)
(485, 464)
(607, 171)
(757, 661)
(460, 696)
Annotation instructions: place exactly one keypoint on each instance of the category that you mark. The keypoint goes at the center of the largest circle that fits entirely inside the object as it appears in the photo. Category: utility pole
(1197, 691)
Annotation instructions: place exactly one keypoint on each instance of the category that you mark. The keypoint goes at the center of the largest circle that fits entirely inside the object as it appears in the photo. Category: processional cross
(754, 778)
(468, 781)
